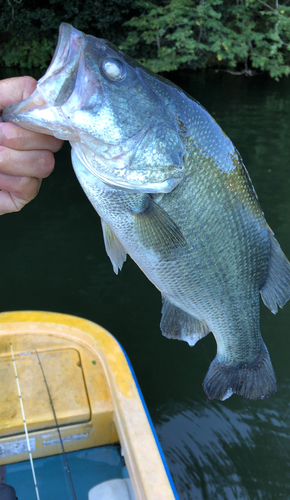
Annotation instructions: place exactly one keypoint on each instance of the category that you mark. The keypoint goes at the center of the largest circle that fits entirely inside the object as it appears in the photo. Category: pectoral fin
(177, 324)
(114, 248)
(155, 227)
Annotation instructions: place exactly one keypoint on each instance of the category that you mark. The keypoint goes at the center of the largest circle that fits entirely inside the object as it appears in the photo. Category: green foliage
(29, 28)
(236, 35)
(232, 35)
(28, 54)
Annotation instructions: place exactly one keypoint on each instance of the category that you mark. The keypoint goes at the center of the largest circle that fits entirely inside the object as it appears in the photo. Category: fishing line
(25, 426)
(57, 427)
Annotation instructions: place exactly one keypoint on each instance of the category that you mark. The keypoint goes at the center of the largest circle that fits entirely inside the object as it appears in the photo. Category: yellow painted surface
(63, 372)
(93, 390)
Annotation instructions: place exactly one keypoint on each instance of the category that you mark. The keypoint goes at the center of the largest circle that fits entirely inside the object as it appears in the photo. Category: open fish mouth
(58, 83)
(92, 95)
(54, 88)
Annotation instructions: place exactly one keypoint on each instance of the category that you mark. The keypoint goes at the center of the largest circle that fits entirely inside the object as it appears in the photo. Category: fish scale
(174, 194)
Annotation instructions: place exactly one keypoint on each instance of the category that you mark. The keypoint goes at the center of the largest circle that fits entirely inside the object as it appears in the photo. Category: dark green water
(53, 258)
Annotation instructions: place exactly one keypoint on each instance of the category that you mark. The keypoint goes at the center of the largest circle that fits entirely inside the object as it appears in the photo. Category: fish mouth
(64, 105)
(34, 101)
(57, 84)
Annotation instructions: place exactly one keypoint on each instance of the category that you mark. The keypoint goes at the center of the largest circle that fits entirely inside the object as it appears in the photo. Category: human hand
(25, 157)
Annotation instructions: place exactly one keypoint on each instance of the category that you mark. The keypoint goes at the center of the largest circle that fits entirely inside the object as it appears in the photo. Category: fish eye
(114, 70)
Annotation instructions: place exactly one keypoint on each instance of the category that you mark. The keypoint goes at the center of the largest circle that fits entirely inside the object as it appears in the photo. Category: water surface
(53, 259)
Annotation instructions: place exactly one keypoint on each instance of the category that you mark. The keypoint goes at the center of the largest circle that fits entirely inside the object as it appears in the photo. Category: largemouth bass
(173, 193)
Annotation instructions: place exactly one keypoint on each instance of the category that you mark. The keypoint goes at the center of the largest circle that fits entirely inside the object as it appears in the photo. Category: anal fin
(276, 289)
(114, 248)
(178, 324)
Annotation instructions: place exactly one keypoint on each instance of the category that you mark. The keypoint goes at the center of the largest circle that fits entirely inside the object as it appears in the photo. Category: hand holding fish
(25, 157)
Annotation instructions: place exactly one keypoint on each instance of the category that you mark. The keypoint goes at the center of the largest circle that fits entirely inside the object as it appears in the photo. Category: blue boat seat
(115, 489)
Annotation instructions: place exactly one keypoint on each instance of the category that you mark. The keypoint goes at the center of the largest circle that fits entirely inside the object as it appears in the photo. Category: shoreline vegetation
(239, 36)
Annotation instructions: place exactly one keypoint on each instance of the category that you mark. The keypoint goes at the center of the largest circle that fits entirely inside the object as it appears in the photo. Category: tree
(230, 34)
(29, 29)
(236, 35)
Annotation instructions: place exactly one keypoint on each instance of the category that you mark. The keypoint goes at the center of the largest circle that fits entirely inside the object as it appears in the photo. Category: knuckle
(47, 162)
(3, 151)
(22, 184)
(29, 85)
(57, 145)
(12, 136)
(5, 155)
(27, 188)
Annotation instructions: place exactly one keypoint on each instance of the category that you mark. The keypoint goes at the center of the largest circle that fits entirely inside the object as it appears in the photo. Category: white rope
(25, 426)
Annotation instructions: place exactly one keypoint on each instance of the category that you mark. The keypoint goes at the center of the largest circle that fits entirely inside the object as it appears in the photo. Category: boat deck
(93, 403)
(87, 467)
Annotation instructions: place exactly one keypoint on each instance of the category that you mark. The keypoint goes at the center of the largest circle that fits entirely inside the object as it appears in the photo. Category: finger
(18, 138)
(20, 190)
(15, 90)
(38, 164)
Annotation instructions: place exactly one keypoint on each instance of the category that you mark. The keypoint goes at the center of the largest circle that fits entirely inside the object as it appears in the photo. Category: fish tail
(253, 380)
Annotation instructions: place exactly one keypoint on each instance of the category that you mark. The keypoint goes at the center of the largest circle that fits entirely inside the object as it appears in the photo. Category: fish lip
(63, 67)
(64, 34)
(69, 40)
(34, 101)
(69, 37)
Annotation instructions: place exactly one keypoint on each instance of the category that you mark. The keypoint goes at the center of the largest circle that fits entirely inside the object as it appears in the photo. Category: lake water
(53, 259)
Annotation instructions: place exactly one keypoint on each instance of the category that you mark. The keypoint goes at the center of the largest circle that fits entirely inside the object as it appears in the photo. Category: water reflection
(217, 452)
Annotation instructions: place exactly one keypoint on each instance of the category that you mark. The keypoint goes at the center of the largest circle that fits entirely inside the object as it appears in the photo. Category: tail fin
(253, 380)
(276, 289)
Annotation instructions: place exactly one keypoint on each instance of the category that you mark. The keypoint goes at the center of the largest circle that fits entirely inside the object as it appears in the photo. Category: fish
(172, 192)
